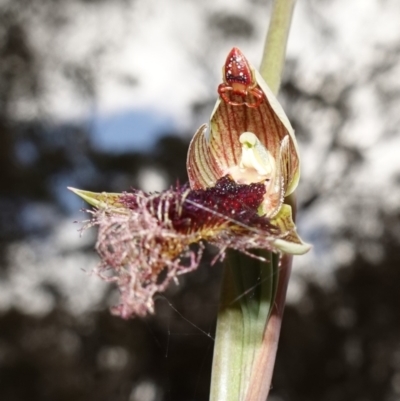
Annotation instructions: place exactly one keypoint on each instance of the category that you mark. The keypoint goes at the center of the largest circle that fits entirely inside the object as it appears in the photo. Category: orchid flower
(251, 140)
(240, 170)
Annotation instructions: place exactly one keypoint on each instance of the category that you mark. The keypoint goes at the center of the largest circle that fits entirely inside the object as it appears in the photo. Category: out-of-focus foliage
(58, 341)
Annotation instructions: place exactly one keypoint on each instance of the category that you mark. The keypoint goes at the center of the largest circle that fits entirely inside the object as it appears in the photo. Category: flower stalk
(273, 59)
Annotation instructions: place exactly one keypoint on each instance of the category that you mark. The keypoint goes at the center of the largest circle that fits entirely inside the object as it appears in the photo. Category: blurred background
(105, 95)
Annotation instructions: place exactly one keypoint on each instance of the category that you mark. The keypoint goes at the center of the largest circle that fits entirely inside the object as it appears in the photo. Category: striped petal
(202, 167)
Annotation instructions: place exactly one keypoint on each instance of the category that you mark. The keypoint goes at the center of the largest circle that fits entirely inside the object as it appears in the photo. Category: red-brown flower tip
(237, 69)
(239, 83)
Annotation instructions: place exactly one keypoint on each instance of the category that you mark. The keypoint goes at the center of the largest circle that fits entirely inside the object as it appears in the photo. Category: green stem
(273, 59)
(227, 365)
(249, 287)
